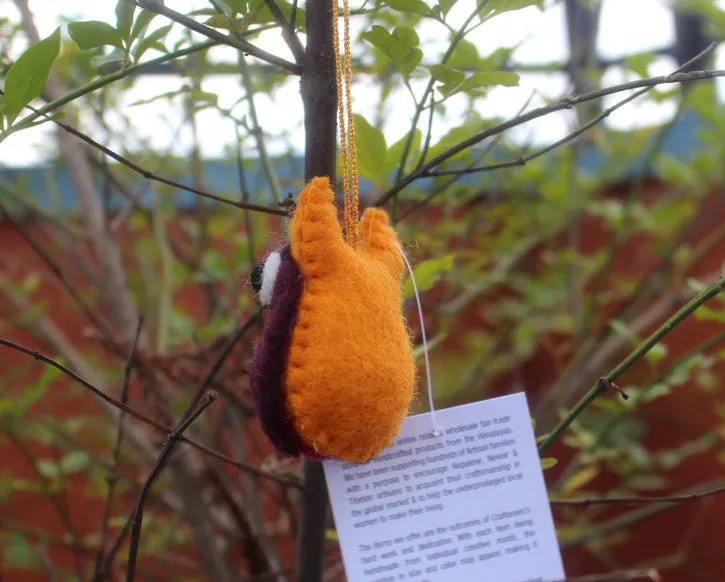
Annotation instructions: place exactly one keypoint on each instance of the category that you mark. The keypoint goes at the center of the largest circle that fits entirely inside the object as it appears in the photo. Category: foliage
(537, 274)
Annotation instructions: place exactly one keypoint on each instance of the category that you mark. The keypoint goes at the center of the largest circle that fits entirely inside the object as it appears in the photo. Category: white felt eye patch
(269, 277)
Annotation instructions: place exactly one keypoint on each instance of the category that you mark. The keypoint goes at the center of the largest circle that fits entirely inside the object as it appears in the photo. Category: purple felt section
(270, 358)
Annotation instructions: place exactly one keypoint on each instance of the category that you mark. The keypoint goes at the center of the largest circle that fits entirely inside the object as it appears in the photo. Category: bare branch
(319, 98)
(288, 31)
(523, 160)
(166, 450)
(674, 499)
(139, 416)
(112, 477)
(54, 267)
(567, 103)
(156, 178)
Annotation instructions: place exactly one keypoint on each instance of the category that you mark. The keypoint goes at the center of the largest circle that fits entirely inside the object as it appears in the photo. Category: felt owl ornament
(333, 374)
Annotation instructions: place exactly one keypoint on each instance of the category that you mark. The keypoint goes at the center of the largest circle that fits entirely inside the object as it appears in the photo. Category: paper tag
(469, 504)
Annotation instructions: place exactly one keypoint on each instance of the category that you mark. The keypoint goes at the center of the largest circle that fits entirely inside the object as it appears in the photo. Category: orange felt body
(350, 374)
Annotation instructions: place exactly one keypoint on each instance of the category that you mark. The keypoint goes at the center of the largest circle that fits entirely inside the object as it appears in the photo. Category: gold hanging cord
(343, 75)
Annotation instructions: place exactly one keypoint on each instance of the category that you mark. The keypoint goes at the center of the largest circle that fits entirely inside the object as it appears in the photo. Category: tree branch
(567, 103)
(674, 499)
(288, 32)
(139, 416)
(166, 450)
(319, 98)
(112, 477)
(603, 383)
(156, 178)
(240, 44)
(523, 160)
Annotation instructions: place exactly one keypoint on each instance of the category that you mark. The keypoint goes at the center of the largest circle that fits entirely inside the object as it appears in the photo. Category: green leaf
(674, 171)
(456, 135)
(706, 314)
(490, 79)
(141, 24)
(237, 6)
(124, 17)
(454, 81)
(224, 8)
(261, 13)
(74, 462)
(464, 56)
(48, 469)
(449, 77)
(579, 479)
(412, 6)
(419, 352)
(640, 63)
(33, 394)
(28, 76)
(621, 328)
(94, 33)
(401, 47)
(153, 40)
(548, 463)
(371, 149)
(657, 353)
(218, 21)
(427, 274)
(110, 63)
(496, 7)
(446, 6)
(393, 155)
(18, 554)
(406, 53)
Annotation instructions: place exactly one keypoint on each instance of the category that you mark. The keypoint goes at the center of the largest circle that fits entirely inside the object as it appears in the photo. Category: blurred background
(545, 255)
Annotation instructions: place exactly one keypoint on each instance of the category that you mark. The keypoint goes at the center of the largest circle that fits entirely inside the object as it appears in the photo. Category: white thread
(436, 430)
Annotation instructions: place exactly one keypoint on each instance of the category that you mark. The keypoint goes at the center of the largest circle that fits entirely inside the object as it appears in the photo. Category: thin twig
(523, 160)
(156, 178)
(98, 572)
(319, 99)
(258, 133)
(443, 187)
(48, 566)
(219, 362)
(567, 103)
(240, 44)
(602, 384)
(166, 450)
(420, 106)
(143, 418)
(288, 32)
(636, 500)
(428, 134)
(55, 268)
(293, 15)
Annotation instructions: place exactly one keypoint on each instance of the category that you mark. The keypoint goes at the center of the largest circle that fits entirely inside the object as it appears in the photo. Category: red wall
(695, 530)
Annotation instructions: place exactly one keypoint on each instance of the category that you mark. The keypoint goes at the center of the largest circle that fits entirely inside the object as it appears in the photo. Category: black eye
(256, 277)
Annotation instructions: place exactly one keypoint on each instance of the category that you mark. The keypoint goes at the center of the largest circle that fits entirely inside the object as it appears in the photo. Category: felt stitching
(349, 375)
